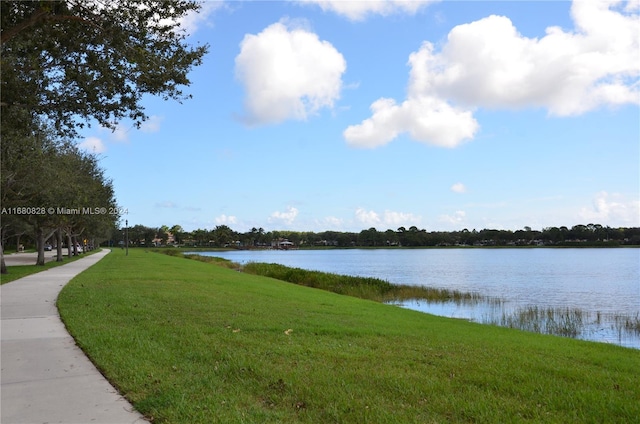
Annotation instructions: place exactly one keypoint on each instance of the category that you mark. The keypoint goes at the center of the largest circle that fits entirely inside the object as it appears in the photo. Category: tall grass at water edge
(565, 322)
(362, 287)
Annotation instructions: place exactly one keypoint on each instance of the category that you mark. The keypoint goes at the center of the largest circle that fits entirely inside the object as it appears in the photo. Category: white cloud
(368, 218)
(286, 217)
(489, 64)
(459, 188)
(396, 219)
(192, 21)
(389, 219)
(120, 133)
(457, 218)
(93, 145)
(187, 23)
(122, 130)
(612, 209)
(425, 118)
(358, 10)
(152, 124)
(288, 73)
(632, 6)
(225, 220)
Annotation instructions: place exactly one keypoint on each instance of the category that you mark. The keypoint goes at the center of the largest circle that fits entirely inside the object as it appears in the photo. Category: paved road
(27, 258)
(45, 377)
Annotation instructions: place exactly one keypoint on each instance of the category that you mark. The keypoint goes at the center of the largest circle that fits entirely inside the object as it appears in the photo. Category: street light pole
(126, 236)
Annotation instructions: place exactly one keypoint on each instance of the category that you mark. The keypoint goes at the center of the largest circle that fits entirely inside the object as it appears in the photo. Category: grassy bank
(362, 287)
(566, 322)
(192, 342)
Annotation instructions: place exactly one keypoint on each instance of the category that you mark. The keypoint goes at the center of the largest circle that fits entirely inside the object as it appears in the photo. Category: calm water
(594, 280)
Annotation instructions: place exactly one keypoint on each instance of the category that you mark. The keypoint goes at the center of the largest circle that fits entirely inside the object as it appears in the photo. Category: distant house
(157, 241)
(282, 244)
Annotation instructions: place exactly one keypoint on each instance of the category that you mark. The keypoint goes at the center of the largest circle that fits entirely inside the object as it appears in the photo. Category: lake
(603, 284)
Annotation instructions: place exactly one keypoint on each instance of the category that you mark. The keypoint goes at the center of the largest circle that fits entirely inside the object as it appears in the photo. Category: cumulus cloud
(425, 118)
(388, 218)
(93, 145)
(286, 217)
(368, 218)
(459, 188)
(359, 10)
(457, 218)
(612, 209)
(225, 220)
(288, 73)
(489, 64)
(394, 219)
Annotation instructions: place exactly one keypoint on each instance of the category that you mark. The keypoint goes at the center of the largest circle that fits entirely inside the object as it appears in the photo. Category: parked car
(48, 247)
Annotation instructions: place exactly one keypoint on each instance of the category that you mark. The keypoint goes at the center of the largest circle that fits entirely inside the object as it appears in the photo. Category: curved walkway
(45, 377)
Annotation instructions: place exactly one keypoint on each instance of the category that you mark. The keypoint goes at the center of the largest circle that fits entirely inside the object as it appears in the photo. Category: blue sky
(333, 115)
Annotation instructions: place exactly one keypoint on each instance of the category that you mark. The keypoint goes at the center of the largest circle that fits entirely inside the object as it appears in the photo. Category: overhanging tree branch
(75, 62)
(38, 16)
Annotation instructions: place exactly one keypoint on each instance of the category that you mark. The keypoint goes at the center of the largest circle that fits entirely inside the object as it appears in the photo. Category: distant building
(282, 244)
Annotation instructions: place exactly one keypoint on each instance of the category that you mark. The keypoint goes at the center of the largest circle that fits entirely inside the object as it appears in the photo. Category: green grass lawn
(191, 342)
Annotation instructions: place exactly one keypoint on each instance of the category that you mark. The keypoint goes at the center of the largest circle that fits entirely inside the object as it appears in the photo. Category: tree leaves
(74, 61)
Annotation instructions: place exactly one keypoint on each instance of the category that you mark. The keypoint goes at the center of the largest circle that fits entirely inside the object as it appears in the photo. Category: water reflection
(616, 328)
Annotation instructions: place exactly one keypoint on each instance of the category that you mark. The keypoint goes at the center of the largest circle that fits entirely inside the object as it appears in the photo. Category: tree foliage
(75, 60)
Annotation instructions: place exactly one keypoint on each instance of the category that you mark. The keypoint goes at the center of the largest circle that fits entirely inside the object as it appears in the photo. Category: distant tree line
(224, 236)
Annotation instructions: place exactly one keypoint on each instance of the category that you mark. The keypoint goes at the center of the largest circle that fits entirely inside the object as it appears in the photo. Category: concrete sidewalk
(45, 377)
